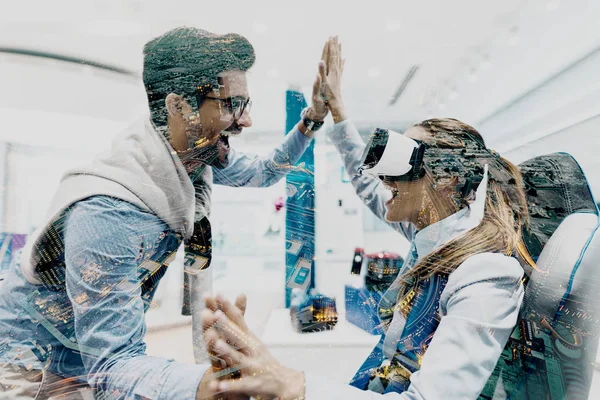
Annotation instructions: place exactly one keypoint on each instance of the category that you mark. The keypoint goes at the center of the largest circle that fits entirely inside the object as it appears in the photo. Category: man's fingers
(240, 302)
(211, 302)
(322, 72)
(232, 312)
(211, 336)
(223, 358)
(316, 93)
(232, 334)
(208, 319)
(231, 356)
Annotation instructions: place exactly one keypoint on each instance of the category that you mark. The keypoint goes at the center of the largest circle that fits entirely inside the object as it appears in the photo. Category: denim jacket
(92, 329)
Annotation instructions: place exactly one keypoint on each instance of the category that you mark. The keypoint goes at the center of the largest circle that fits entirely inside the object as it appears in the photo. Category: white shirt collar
(436, 235)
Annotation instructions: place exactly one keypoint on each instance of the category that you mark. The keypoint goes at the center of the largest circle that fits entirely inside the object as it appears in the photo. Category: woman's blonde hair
(505, 213)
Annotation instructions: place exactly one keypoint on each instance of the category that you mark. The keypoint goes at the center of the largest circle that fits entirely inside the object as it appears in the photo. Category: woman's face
(408, 197)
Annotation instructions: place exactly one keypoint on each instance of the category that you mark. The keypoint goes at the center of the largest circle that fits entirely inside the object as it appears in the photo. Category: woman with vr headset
(451, 310)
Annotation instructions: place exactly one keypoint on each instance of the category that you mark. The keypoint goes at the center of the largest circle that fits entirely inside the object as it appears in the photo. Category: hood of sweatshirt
(141, 168)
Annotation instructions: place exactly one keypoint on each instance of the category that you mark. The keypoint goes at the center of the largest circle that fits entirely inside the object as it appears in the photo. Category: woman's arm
(346, 139)
(349, 144)
(479, 309)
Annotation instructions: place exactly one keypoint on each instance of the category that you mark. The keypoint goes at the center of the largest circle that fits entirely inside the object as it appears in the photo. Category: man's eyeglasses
(233, 105)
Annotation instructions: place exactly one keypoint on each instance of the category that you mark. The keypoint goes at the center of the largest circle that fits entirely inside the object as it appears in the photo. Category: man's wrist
(310, 122)
(204, 391)
(314, 115)
(293, 385)
(305, 131)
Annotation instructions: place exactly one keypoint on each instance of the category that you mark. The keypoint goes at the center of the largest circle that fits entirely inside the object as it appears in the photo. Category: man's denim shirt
(94, 328)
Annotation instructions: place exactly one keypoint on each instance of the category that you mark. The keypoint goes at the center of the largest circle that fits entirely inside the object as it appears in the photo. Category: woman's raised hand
(331, 68)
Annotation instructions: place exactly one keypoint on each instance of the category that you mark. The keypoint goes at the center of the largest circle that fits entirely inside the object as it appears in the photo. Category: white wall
(582, 141)
(560, 115)
(3, 165)
(339, 228)
(32, 177)
(567, 98)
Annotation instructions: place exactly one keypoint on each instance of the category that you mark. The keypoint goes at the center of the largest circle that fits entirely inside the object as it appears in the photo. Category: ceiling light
(407, 78)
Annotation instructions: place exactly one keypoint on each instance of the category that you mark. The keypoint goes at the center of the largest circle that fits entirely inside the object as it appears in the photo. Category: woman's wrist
(338, 112)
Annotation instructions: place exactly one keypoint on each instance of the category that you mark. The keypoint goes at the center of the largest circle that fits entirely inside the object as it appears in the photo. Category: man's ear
(173, 104)
(177, 105)
(177, 134)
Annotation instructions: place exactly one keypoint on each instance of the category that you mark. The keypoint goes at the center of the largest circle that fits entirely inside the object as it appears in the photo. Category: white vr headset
(393, 156)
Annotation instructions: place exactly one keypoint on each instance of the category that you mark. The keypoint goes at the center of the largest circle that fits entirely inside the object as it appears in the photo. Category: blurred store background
(524, 73)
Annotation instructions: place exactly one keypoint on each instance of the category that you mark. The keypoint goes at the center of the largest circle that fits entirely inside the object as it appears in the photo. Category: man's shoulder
(105, 209)
(104, 202)
(101, 220)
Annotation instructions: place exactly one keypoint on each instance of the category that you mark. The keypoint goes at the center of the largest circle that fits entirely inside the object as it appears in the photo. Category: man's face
(220, 115)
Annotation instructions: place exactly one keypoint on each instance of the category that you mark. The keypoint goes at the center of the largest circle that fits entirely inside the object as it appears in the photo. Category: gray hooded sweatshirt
(143, 169)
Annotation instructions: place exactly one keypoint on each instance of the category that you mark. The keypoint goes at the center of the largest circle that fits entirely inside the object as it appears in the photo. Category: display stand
(300, 210)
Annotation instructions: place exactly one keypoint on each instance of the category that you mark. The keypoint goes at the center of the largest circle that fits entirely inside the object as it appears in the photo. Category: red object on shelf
(279, 203)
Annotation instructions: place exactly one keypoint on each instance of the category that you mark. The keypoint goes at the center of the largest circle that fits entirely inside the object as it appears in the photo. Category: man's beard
(223, 145)
(216, 155)
(223, 149)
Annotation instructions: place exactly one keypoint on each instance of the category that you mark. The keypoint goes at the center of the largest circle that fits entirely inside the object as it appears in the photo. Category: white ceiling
(509, 46)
